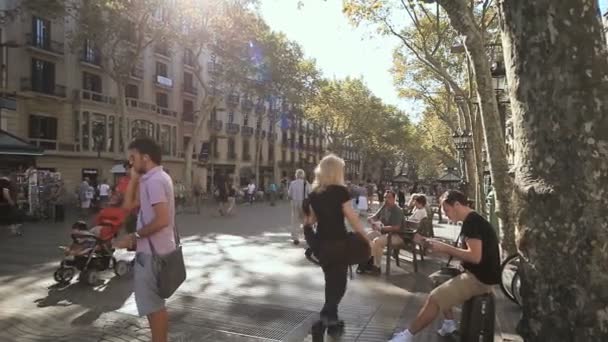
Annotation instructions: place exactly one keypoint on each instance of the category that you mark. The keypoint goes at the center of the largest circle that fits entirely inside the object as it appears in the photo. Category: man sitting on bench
(480, 261)
(387, 220)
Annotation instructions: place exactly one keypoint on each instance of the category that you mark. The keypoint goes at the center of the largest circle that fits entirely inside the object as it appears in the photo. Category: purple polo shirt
(155, 186)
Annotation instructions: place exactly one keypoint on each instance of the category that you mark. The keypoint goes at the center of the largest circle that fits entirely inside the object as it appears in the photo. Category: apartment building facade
(68, 106)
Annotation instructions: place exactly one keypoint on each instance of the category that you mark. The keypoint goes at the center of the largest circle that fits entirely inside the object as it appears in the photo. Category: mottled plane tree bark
(557, 67)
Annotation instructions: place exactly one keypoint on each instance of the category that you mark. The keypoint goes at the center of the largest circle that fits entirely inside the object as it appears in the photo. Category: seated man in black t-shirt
(480, 261)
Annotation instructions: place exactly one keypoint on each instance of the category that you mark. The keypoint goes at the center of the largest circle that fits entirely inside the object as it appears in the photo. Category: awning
(13, 145)
(118, 168)
(401, 179)
(449, 178)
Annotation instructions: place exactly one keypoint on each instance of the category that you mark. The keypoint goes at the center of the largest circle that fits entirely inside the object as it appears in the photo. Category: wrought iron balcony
(246, 131)
(260, 108)
(29, 84)
(232, 128)
(215, 125)
(166, 111)
(190, 89)
(89, 95)
(44, 43)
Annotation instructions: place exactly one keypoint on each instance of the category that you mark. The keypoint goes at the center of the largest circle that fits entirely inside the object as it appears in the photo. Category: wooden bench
(424, 227)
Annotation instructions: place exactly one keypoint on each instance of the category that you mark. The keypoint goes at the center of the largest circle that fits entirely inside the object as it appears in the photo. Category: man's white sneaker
(447, 328)
(402, 336)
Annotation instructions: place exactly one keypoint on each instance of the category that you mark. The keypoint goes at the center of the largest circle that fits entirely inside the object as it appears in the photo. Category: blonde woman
(328, 205)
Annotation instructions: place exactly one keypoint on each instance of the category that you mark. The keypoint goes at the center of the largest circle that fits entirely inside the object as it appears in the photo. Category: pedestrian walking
(155, 235)
(86, 193)
(297, 192)
(272, 188)
(251, 191)
(221, 193)
(104, 193)
(232, 193)
(9, 215)
(197, 193)
(328, 205)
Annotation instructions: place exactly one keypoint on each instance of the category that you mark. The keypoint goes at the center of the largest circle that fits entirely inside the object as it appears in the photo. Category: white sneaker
(403, 336)
(447, 328)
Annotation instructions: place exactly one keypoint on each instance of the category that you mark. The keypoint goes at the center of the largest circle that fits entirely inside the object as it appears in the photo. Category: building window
(214, 147)
(188, 111)
(246, 150)
(231, 148)
(110, 138)
(245, 120)
(43, 76)
(283, 155)
(292, 156)
(270, 152)
(85, 124)
(165, 139)
(162, 100)
(77, 129)
(213, 116)
(188, 82)
(231, 117)
(161, 69)
(90, 54)
(132, 91)
(91, 82)
(141, 129)
(188, 57)
(41, 33)
(43, 130)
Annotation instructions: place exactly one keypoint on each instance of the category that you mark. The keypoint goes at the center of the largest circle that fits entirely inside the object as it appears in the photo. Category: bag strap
(303, 189)
(175, 230)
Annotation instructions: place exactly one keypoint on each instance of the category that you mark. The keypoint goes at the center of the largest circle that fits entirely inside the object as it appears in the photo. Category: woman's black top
(327, 205)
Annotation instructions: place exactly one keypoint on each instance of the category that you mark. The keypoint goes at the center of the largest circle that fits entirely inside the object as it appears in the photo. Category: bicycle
(510, 282)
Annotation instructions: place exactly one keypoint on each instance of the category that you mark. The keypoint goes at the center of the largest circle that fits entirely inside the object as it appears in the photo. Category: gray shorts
(146, 286)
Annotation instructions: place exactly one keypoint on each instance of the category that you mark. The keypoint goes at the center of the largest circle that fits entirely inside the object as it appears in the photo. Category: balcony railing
(247, 105)
(232, 156)
(28, 84)
(246, 157)
(93, 58)
(246, 131)
(145, 106)
(166, 111)
(45, 44)
(190, 89)
(89, 95)
(232, 128)
(215, 125)
(233, 100)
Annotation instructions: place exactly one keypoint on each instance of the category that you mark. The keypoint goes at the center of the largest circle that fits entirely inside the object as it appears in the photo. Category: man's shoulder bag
(171, 267)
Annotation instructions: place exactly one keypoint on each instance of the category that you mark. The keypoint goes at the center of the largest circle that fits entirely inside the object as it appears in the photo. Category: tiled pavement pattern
(246, 282)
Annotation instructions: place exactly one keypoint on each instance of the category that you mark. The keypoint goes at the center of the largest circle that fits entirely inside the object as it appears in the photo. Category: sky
(339, 48)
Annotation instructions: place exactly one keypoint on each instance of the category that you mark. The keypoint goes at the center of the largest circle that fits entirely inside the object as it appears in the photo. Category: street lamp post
(464, 142)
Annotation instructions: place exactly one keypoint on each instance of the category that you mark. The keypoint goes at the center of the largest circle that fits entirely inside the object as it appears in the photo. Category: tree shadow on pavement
(96, 300)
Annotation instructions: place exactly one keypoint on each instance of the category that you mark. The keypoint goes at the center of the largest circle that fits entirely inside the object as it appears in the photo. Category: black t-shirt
(487, 271)
(327, 205)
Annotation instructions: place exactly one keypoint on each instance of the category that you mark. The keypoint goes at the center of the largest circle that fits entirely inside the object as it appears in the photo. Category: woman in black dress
(328, 204)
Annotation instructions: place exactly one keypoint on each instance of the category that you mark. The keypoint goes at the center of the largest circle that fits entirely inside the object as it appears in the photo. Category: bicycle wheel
(508, 270)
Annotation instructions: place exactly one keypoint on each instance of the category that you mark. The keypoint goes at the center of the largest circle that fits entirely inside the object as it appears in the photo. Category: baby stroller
(91, 251)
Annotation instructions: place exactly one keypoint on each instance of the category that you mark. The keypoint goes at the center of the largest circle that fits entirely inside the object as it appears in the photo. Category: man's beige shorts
(458, 290)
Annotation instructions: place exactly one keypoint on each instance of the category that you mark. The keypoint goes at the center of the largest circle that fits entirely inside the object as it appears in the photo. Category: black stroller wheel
(64, 274)
(58, 276)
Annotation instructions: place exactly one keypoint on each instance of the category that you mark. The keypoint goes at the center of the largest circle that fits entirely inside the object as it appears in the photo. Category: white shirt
(296, 190)
(104, 190)
(417, 214)
(251, 188)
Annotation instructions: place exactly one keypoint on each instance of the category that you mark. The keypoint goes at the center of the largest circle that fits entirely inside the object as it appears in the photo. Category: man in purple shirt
(150, 189)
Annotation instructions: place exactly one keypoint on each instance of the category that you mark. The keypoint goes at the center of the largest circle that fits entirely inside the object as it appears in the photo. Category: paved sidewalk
(246, 282)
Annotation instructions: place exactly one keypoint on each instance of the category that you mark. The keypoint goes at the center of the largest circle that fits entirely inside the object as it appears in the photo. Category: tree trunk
(557, 66)
(463, 21)
(203, 112)
(122, 112)
(480, 203)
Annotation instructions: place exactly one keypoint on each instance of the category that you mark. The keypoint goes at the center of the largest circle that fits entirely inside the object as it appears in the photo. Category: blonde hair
(330, 171)
(300, 174)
